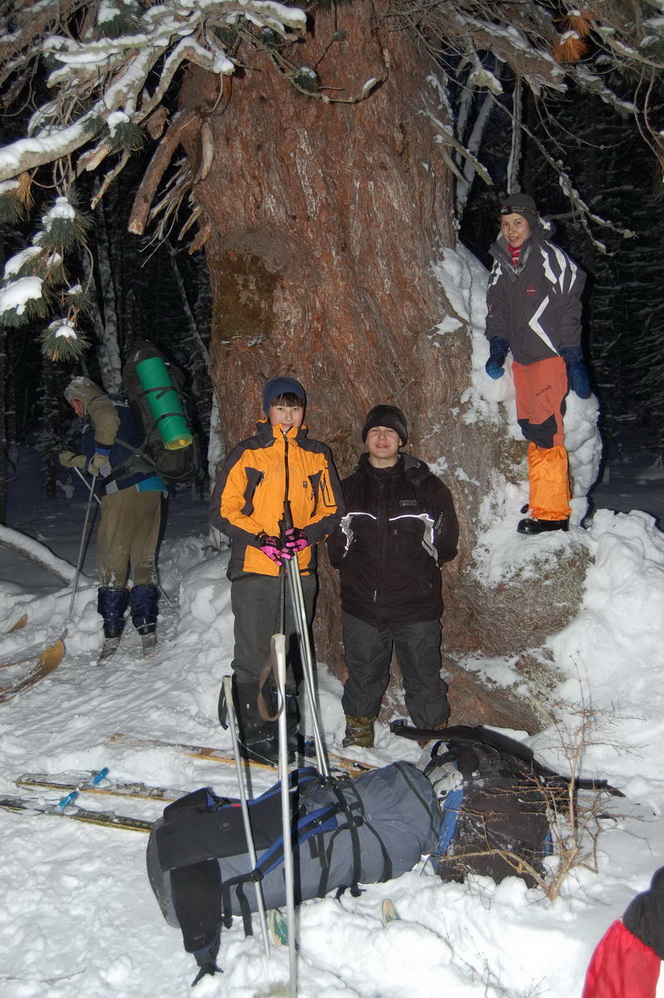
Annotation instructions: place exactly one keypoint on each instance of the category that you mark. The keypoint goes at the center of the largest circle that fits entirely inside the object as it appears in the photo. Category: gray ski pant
(368, 652)
(256, 605)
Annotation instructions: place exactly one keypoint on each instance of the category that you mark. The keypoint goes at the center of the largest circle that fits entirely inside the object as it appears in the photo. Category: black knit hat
(520, 204)
(387, 415)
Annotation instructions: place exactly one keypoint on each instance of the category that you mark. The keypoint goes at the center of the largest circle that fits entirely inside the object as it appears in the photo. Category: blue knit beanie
(282, 386)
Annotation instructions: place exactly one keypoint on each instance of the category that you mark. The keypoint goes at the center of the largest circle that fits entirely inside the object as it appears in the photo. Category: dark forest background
(160, 290)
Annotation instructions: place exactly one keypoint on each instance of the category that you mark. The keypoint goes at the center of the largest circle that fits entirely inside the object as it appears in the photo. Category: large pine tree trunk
(325, 220)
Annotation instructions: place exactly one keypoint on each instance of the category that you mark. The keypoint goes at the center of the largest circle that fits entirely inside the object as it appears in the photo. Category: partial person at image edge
(627, 960)
(399, 529)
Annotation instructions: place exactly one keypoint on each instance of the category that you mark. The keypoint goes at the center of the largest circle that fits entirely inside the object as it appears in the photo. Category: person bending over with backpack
(130, 512)
(628, 958)
(399, 529)
(279, 464)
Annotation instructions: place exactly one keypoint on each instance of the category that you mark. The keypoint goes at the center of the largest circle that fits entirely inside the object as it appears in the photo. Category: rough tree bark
(325, 221)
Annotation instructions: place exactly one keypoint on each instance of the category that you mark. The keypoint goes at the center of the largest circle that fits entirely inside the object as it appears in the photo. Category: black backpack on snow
(496, 801)
(344, 832)
(181, 466)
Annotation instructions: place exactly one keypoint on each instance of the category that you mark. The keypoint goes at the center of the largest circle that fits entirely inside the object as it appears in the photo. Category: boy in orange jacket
(279, 465)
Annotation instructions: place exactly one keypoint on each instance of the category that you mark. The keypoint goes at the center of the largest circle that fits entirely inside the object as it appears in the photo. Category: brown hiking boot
(359, 731)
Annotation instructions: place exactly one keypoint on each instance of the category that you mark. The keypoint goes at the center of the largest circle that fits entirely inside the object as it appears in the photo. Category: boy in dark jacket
(534, 310)
(279, 464)
(131, 494)
(399, 529)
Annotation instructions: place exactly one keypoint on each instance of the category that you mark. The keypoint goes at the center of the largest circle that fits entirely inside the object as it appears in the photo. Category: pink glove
(295, 540)
(271, 546)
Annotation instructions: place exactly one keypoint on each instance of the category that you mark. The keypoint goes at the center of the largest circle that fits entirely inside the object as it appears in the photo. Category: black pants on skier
(368, 652)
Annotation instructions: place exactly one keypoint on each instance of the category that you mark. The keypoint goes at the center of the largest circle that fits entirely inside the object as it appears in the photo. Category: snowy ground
(79, 918)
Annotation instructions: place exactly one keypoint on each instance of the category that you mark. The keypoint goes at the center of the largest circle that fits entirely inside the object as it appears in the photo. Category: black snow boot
(295, 740)
(144, 608)
(111, 604)
(259, 739)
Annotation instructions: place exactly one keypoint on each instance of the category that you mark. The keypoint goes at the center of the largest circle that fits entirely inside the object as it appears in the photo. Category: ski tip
(52, 655)
(19, 625)
(278, 927)
(388, 913)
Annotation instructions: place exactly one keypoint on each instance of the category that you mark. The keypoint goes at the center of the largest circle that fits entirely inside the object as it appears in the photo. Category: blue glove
(577, 372)
(498, 350)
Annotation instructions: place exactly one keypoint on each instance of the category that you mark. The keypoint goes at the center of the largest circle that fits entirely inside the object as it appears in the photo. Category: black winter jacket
(399, 528)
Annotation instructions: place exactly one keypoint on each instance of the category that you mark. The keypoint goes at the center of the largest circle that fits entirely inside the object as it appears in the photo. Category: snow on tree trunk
(325, 222)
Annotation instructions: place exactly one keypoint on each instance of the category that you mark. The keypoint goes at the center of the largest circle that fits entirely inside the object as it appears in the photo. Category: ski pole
(85, 481)
(81, 550)
(302, 628)
(251, 848)
(279, 650)
(299, 611)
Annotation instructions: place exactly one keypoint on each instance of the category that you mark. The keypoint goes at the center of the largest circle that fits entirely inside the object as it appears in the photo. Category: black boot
(294, 739)
(259, 739)
(532, 526)
(144, 609)
(111, 604)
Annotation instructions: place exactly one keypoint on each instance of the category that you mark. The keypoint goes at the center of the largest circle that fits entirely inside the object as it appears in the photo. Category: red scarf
(515, 253)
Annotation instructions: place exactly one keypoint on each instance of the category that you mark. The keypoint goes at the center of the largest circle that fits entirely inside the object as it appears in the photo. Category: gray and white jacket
(535, 306)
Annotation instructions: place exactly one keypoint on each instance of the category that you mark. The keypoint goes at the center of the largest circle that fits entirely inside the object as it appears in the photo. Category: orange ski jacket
(259, 475)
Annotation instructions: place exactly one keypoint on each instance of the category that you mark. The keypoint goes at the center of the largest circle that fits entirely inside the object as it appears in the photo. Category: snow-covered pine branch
(38, 553)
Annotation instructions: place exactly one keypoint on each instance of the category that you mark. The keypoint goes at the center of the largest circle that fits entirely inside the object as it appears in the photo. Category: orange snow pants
(540, 396)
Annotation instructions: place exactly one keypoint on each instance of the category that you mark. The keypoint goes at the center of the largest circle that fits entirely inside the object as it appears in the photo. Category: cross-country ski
(82, 783)
(350, 766)
(49, 661)
(107, 819)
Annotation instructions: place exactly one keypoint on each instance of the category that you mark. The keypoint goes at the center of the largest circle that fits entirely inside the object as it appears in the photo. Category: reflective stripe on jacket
(399, 529)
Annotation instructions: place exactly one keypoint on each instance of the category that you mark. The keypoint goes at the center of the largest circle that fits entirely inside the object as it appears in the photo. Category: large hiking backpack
(344, 832)
(495, 813)
(176, 466)
(496, 802)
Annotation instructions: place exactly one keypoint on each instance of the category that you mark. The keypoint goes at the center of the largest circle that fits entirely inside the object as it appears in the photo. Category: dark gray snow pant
(368, 652)
(256, 603)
